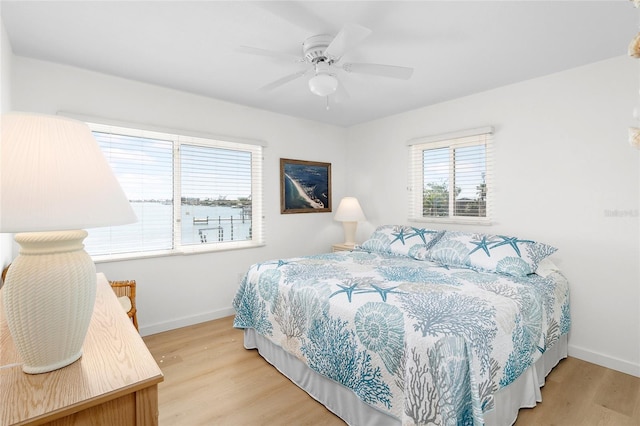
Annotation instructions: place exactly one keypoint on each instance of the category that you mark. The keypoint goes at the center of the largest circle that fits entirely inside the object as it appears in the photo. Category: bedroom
(563, 165)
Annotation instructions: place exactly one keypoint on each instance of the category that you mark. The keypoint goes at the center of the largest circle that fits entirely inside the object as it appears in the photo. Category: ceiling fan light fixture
(323, 84)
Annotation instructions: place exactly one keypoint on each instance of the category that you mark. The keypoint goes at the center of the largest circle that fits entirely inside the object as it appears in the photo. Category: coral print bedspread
(423, 341)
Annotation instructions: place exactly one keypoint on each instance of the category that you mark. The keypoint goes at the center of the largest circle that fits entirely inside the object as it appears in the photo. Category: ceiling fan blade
(392, 71)
(269, 53)
(283, 80)
(341, 94)
(348, 37)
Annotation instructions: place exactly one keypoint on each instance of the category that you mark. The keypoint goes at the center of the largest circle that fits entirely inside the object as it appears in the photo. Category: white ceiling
(456, 48)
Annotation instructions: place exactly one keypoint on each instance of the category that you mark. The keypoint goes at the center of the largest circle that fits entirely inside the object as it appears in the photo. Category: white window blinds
(190, 194)
(450, 177)
(216, 186)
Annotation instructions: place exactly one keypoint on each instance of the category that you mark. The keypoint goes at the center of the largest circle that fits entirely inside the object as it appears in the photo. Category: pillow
(489, 253)
(400, 240)
(546, 267)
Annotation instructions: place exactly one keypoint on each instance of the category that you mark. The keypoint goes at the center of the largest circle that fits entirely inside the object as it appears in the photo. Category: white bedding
(414, 341)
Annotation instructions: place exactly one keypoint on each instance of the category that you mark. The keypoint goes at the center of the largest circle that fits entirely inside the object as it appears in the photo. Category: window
(190, 194)
(450, 177)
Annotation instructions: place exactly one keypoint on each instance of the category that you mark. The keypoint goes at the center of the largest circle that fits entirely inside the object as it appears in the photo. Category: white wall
(562, 161)
(6, 58)
(180, 290)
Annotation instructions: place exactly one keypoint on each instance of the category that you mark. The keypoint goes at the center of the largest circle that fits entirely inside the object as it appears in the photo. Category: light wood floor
(210, 379)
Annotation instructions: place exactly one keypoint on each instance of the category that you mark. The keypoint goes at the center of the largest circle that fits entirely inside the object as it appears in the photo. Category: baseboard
(185, 321)
(605, 360)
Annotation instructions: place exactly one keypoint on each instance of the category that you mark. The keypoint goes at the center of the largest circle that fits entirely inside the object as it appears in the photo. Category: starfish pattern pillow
(489, 253)
(401, 240)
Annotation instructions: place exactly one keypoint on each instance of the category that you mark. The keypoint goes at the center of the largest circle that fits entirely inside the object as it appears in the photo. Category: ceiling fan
(322, 54)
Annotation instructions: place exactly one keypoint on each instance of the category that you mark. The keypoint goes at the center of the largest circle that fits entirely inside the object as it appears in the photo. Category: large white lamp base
(48, 298)
(350, 232)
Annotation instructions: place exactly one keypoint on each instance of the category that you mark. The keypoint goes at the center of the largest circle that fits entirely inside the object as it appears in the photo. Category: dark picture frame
(305, 186)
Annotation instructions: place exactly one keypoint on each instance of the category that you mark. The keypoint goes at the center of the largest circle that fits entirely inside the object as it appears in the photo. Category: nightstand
(342, 247)
(115, 382)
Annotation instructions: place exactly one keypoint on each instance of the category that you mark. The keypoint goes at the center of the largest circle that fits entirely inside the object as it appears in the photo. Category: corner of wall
(6, 58)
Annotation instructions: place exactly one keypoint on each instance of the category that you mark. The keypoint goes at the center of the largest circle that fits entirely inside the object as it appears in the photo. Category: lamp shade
(55, 177)
(349, 210)
(323, 84)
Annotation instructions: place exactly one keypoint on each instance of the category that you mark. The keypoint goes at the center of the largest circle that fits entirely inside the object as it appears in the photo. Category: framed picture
(305, 186)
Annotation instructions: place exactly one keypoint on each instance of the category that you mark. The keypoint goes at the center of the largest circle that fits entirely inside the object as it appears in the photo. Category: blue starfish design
(399, 236)
(482, 244)
(512, 241)
(279, 264)
(348, 289)
(385, 291)
(419, 232)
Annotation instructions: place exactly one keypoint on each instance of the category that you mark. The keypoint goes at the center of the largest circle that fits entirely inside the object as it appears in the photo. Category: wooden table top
(115, 362)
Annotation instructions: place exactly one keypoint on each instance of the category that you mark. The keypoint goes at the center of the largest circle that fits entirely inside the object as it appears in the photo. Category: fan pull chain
(327, 103)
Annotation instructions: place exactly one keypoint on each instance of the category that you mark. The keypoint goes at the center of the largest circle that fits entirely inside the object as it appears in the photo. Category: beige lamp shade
(55, 177)
(349, 213)
(349, 210)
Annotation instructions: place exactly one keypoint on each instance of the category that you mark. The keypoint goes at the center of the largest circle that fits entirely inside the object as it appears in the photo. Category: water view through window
(214, 188)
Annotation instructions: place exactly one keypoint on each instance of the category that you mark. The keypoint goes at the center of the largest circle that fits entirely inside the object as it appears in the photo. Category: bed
(414, 327)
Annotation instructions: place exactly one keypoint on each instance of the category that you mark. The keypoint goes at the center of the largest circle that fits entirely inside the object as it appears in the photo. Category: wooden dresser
(115, 382)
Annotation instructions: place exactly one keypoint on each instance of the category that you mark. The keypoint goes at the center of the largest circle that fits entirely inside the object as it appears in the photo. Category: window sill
(456, 221)
(170, 253)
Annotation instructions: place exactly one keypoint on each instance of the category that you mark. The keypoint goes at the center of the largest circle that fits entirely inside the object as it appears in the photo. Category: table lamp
(54, 183)
(349, 213)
